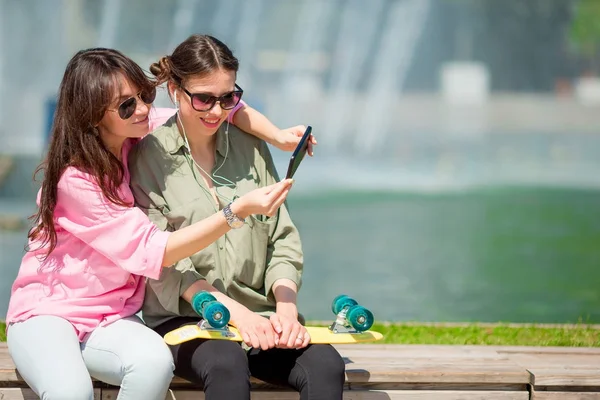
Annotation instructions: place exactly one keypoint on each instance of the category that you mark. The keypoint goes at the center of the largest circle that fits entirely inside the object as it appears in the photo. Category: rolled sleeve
(172, 284)
(284, 256)
(156, 251)
(281, 271)
(189, 276)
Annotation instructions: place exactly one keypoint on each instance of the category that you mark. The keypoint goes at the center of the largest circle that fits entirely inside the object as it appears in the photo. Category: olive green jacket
(245, 262)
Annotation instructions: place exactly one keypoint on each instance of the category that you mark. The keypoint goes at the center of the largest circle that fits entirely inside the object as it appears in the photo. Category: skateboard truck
(341, 325)
(224, 331)
(350, 317)
(203, 324)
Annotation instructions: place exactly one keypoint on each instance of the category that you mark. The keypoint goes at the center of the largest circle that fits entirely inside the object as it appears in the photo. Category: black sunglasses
(127, 108)
(205, 102)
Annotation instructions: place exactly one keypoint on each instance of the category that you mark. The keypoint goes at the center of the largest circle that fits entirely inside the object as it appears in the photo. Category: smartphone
(299, 153)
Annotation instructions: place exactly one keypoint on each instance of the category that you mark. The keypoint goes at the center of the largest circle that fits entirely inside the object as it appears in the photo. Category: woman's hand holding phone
(288, 139)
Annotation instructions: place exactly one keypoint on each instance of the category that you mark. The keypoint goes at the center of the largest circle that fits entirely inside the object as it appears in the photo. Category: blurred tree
(523, 43)
(526, 41)
(585, 32)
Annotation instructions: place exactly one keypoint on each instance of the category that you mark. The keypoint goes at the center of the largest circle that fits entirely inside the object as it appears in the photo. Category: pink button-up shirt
(95, 275)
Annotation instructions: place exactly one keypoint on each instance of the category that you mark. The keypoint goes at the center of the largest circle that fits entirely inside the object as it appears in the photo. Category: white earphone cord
(227, 183)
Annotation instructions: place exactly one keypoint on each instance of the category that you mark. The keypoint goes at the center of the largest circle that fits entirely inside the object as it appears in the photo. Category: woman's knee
(225, 359)
(51, 363)
(323, 361)
(74, 390)
(156, 363)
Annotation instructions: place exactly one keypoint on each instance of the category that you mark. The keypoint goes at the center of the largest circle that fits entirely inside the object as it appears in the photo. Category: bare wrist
(287, 309)
(276, 137)
(237, 313)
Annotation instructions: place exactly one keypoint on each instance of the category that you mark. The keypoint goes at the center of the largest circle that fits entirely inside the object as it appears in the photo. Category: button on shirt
(245, 262)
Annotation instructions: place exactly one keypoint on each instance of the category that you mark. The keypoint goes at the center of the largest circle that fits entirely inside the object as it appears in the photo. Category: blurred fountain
(109, 23)
(301, 80)
(246, 41)
(182, 22)
(2, 51)
(402, 30)
(224, 21)
(356, 35)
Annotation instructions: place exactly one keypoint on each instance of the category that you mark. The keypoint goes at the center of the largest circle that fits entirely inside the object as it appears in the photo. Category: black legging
(224, 367)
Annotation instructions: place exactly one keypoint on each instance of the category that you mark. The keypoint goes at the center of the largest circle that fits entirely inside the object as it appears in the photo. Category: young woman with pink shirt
(72, 309)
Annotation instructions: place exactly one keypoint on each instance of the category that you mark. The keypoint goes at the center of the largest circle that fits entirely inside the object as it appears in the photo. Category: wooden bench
(381, 372)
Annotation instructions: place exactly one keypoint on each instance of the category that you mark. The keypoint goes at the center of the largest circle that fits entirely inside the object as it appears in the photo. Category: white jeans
(126, 353)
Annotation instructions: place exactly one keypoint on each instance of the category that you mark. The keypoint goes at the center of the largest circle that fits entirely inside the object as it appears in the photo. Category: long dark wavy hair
(89, 86)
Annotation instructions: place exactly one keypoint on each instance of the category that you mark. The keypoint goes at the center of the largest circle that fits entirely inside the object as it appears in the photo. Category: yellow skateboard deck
(318, 335)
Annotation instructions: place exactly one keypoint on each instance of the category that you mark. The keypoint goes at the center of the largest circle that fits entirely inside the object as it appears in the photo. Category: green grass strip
(580, 335)
(498, 335)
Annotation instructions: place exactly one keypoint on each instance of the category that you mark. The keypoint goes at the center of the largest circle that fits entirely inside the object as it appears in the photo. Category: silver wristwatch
(233, 220)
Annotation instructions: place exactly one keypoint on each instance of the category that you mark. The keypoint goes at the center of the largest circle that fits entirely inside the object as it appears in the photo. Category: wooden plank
(430, 364)
(381, 373)
(545, 350)
(388, 351)
(557, 376)
(111, 394)
(415, 355)
(386, 377)
(402, 364)
(28, 394)
(9, 376)
(182, 385)
(460, 387)
(407, 367)
(435, 362)
(257, 384)
(417, 351)
(441, 350)
(578, 367)
(437, 373)
(6, 361)
(565, 396)
(568, 361)
(434, 395)
(359, 395)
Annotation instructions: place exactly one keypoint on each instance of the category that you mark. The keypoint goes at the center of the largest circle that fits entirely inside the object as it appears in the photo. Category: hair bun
(161, 69)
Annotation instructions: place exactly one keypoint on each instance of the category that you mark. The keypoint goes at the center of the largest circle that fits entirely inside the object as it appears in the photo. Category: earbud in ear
(175, 97)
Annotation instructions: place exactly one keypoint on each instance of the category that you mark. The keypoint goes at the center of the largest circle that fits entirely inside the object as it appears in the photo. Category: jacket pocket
(251, 265)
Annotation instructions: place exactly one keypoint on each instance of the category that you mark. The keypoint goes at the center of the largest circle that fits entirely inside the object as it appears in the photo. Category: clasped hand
(280, 331)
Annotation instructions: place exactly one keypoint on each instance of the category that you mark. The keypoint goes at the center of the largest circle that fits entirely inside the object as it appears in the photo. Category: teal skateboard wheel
(342, 301)
(360, 318)
(200, 299)
(214, 313)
